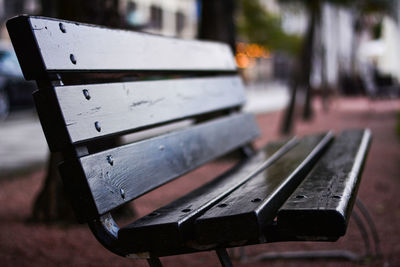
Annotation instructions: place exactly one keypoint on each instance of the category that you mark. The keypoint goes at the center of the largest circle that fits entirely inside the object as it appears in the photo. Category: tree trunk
(301, 74)
(217, 21)
(51, 203)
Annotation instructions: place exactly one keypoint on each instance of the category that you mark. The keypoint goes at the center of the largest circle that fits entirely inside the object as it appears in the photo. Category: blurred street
(22, 143)
(29, 244)
(23, 146)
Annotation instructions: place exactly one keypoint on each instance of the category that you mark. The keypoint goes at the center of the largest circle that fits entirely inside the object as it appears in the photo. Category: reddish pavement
(26, 244)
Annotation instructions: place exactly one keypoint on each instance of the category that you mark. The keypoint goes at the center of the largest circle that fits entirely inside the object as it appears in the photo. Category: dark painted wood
(120, 107)
(224, 257)
(51, 120)
(142, 166)
(242, 216)
(171, 226)
(26, 48)
(77, 190)
(320, 207)
(83, 47)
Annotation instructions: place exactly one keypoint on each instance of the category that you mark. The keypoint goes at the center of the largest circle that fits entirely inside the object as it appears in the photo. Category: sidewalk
(23, 146)
(27, 244)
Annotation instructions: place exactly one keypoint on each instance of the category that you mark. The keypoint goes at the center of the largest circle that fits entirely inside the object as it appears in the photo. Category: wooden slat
(140, 167)
(242, 216)
(104, 49)
(320, 207)
(170, 227)
(119, 107)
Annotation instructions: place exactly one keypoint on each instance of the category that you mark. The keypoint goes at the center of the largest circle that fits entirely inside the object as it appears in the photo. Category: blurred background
(308, 66)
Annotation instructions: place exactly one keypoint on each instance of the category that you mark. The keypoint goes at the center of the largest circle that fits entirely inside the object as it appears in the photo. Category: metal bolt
(86, 94)
(97, 126)
(122, 192)
(72, 58)
(62, 27)
(110, 160)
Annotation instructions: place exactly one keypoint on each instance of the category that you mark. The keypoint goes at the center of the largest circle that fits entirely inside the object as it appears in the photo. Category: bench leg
(154, 262)
(365, 225)
(224, 257)
(367, 216)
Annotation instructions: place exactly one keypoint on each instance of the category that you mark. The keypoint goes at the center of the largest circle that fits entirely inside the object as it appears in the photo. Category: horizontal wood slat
(321, 205)
(71, 46)
(172, 225)
(140, 167)
(243, 215)
(96, 110)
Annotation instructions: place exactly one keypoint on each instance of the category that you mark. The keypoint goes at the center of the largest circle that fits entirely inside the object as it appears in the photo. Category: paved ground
(23, 146)
(27, 244)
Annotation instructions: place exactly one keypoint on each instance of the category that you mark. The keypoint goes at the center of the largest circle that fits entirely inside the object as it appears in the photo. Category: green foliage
(381, 6)
(259, 26)
(364, 6)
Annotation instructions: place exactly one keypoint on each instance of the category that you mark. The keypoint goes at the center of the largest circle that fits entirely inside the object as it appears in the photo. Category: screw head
(122, 192)
(110, 160)
(72, 58)
(97, 126)
(86, 94)
(62, 27)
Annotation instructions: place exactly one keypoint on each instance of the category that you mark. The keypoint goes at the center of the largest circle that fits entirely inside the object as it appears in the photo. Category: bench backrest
(96, 83)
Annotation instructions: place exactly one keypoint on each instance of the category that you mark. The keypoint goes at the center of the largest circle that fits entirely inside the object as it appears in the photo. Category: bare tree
(217, 21)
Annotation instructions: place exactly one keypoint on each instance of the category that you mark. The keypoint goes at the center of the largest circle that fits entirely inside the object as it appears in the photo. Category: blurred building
(170, 18)
(387, 46)
(379, 55)
(333, 46)
(10, 8)
(294, 19)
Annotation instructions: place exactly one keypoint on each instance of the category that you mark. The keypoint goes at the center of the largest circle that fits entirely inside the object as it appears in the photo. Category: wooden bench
(97, 83)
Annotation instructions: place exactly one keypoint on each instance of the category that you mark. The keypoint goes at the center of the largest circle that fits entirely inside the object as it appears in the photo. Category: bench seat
(320, 207)
(238, 207)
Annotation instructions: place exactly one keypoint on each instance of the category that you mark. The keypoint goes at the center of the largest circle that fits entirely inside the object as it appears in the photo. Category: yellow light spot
(241, 47)
(242, 60)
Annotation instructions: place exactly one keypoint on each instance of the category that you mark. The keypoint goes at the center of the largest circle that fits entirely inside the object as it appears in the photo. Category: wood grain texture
(242, 215)
(140, 167)
(321, 206)
(120, 107)
(170, 227)
(85, 47)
